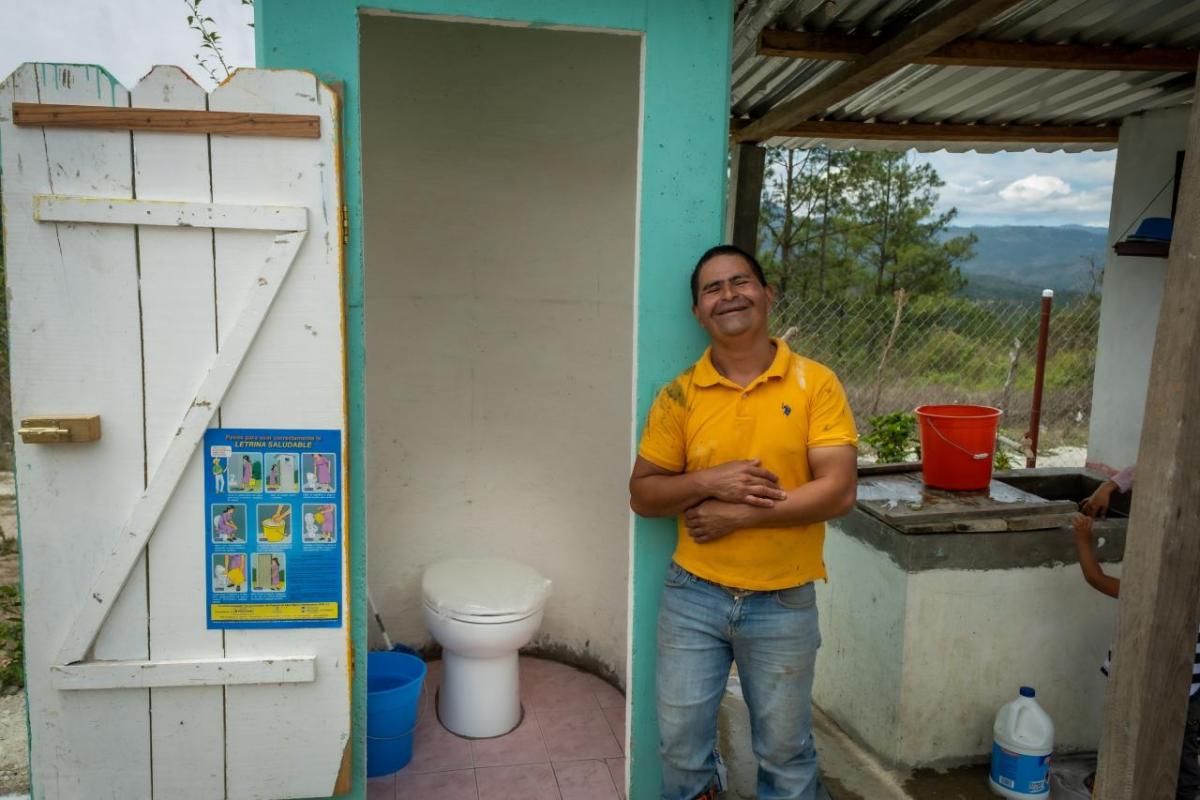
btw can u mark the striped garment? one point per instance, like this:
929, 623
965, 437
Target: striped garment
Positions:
1195, 666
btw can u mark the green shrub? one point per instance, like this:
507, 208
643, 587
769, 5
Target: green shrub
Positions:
12, 643
893, 436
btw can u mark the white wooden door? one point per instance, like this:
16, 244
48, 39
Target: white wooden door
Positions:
168, 281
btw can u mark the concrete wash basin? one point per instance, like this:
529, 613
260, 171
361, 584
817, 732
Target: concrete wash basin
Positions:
1064, 483
926, 635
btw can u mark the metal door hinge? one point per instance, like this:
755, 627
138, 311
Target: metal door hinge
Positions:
71, 428
345, 226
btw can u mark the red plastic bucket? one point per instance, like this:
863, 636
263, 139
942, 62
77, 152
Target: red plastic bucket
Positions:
957, 445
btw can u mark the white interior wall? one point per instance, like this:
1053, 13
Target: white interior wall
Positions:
1132, 286
500, 182
916, 665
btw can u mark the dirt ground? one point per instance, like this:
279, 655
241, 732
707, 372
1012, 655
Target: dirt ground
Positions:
14, 760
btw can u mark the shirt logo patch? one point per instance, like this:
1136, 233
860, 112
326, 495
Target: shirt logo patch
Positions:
787, 410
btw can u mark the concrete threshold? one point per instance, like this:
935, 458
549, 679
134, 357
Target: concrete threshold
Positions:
848, 770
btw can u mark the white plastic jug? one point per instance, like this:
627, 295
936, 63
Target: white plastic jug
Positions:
1024, 739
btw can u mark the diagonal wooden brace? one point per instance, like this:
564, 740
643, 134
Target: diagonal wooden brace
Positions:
129, 542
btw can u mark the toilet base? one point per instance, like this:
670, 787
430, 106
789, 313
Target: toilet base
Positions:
480, 697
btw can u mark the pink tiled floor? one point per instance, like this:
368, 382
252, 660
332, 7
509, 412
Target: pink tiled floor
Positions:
569, 746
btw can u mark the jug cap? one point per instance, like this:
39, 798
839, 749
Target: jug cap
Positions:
1027, 691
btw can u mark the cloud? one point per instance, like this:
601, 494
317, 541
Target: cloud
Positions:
1025, 188
1034, 188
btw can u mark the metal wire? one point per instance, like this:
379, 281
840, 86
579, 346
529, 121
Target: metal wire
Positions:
953, 350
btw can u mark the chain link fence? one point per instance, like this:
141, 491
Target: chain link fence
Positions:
895, 353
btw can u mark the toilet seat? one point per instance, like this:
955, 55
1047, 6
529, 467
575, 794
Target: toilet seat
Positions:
479, 619
484, 591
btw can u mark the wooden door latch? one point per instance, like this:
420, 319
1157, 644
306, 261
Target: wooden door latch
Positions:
72, 428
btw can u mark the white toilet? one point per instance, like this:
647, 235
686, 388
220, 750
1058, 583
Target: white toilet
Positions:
482, 611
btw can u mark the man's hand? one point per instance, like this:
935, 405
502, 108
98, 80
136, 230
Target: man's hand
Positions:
713, 519
743, 482
1096, 506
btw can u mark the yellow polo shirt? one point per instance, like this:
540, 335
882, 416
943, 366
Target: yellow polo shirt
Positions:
702, 419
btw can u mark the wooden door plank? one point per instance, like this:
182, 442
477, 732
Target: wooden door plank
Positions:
902, 500
1160, 583
110, 211
178, 344
201, 677
166, 120
293, 378
75, 345
119, 557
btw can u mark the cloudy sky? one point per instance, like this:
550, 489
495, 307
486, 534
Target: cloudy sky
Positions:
130, 36
1026, 188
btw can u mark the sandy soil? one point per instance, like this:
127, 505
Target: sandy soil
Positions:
14, 758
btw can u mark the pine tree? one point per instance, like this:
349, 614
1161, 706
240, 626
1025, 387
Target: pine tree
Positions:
849, 222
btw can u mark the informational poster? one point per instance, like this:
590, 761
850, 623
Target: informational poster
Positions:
273, 524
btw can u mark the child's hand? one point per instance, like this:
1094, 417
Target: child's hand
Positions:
1083, 527
1097, 504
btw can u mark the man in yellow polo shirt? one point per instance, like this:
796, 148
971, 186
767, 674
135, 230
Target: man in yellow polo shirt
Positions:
753, 447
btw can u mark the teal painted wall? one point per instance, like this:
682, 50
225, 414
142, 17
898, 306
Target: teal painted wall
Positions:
683, 171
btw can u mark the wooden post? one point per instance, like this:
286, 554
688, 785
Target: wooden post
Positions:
901, 296
1039, 375
1157, 616
749, 161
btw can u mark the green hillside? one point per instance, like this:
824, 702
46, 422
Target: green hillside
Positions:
1012, 261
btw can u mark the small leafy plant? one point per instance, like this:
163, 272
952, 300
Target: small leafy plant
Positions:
12, 643
210, 40
893, 436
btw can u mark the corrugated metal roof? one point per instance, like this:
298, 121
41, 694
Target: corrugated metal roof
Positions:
956, 94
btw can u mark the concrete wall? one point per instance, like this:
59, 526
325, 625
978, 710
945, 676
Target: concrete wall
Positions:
862, 610
1132, 286
970, 639
500, 180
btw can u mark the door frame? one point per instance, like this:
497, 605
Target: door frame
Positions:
683, 155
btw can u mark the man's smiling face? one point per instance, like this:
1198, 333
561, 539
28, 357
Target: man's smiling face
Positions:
730, 301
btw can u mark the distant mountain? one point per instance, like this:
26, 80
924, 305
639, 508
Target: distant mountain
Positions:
1013, 261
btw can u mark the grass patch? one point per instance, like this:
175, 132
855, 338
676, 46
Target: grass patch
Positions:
12, 642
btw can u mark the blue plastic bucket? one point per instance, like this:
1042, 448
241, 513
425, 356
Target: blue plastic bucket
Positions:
393, 692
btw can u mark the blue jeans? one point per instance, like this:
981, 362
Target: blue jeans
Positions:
773, 637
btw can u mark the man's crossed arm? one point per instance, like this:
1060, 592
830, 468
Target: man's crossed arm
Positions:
741, 494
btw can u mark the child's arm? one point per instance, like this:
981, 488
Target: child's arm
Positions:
1097, 504
1092, 573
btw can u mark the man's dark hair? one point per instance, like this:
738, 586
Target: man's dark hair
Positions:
724, 250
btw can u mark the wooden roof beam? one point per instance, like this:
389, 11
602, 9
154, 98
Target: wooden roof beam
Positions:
983, 53
945, 132
918, 38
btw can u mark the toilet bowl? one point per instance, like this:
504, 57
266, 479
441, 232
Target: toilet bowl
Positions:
481, 611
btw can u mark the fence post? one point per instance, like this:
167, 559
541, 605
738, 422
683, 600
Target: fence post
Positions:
1035, 414
901, 297
1014, 356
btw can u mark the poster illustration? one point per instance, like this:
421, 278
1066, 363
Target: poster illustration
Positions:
273, 535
